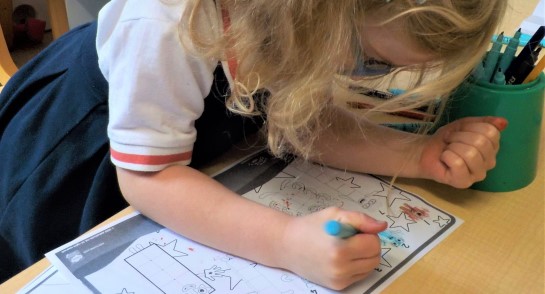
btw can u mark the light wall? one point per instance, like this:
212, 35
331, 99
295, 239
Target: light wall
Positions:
82, 11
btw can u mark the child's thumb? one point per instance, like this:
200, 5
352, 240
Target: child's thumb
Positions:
369, 225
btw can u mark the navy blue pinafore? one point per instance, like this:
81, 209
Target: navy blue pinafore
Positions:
56, 178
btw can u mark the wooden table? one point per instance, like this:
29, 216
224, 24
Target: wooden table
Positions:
498, 249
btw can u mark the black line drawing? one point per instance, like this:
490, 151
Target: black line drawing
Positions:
401, 221
170, 248
216, 272
395, 194
196, 289
285, 175
154, 264
172, 263
383, 260
442, 222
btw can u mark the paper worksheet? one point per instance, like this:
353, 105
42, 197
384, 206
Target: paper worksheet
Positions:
137, 255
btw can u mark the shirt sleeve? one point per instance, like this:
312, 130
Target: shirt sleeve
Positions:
156, 91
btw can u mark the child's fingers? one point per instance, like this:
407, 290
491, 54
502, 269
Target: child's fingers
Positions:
489, 131
363, 270
364, 246
478, 148
499, 123
456, 171
355, 269
465, 161
362, 267
363, 222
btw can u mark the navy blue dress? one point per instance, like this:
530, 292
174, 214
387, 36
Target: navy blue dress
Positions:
56, 178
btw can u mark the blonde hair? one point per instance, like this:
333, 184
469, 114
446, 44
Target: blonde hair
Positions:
295, 49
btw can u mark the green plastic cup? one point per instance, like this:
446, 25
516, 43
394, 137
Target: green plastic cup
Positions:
522, 106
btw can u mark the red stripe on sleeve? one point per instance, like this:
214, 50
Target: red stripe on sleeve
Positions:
150, 159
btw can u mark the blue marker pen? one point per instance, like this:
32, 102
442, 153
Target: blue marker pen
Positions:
499, 77
510, 51
343, 231
410, 127
339, 230
396, 91
491, 59
478, 72
523, 40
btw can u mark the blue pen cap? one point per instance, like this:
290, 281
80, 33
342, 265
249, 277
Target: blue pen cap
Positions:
333, 227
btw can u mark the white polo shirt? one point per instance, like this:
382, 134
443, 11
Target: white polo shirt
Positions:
156, 87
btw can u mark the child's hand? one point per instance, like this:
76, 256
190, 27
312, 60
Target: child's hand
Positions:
460, 153
309, 251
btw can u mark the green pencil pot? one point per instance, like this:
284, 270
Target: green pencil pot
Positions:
522, 106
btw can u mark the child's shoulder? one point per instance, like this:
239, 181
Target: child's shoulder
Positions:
161, 10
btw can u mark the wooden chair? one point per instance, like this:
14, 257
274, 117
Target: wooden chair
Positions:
59, 26
7, 66
58, 17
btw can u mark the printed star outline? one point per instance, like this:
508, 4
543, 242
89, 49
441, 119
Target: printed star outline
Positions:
396, 194
441, 221
125, 291
349, 182
383, 260
403, 222
170, 248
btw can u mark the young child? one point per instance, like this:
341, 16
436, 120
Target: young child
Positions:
178, 82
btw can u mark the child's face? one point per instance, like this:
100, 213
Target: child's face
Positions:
390, 44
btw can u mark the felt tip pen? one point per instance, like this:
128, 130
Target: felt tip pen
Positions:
396, 91
410, 127
515, 73
371, 92
491, 59
392, 92
499, 77
523, 40
534, 41
478, 72
416, 114
339, 230
342, 231
523, 69
425, 108
509, 52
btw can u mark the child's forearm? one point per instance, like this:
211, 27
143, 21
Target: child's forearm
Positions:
201, 209
369, 148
